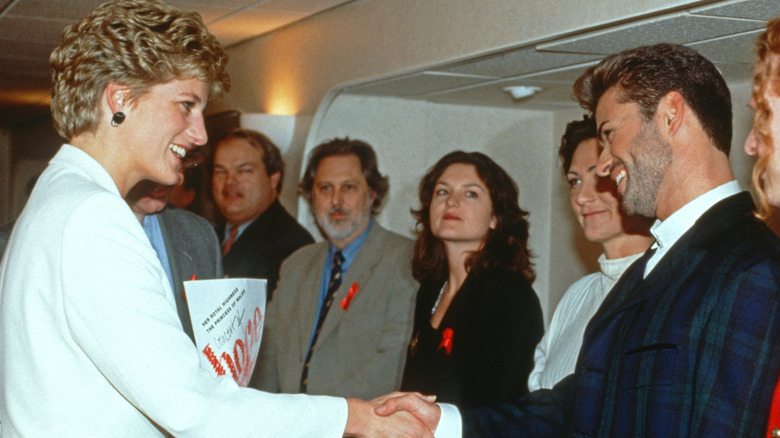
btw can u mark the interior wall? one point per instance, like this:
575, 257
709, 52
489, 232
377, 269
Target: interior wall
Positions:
6, 180
410, 136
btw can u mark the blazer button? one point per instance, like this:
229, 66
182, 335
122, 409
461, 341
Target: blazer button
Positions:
776, 432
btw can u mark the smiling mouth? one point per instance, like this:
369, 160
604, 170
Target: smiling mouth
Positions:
592, 213
178, 150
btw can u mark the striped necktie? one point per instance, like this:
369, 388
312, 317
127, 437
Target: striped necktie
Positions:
333, 285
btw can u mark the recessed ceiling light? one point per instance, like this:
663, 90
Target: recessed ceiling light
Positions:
520, 92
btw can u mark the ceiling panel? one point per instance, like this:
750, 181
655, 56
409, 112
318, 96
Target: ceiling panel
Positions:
303, 6
734, 48
517, 62
228, 4
209, 13
682, 29
555, 66
63, 10
235, 28
724, 31
493, 94
30, 29
753, 9
566, 75
35, 30
417, 84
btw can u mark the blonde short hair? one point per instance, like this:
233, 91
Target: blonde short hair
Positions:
138, 43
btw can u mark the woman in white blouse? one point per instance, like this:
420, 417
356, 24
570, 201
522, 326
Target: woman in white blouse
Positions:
624, 239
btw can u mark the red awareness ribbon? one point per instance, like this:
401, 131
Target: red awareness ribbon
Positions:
446, 340
183, 294
348, 299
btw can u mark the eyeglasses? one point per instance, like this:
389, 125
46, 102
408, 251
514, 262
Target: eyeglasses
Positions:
193, 158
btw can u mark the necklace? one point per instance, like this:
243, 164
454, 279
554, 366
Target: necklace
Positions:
441, 292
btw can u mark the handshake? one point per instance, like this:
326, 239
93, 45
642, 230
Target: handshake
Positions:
394, 415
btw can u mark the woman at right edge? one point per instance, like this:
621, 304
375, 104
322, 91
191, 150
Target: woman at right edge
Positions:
762, 142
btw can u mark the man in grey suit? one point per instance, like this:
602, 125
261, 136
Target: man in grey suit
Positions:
341, 317
186, 243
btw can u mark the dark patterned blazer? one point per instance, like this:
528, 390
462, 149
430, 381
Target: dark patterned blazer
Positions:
192, 250
693, 350
260, 250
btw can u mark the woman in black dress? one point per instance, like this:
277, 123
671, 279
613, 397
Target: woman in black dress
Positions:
477, 319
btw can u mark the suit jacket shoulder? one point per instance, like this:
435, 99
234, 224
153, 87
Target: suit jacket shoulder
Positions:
264, 245
192, 250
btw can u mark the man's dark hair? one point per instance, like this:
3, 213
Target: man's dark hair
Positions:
646, 74
344, 146
270, 154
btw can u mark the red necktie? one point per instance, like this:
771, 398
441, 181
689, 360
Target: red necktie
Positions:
229, 242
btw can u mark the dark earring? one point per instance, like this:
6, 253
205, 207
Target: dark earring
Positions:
117, 119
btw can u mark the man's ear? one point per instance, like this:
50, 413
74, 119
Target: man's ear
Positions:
671, 112
275, 177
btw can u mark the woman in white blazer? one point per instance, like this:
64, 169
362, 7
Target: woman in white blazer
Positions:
90, 339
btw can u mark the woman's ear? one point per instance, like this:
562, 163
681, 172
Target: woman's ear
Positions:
117, 96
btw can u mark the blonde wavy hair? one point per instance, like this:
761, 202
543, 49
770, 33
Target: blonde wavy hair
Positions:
764, 78
138, 43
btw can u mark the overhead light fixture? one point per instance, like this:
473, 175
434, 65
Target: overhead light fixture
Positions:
520, 92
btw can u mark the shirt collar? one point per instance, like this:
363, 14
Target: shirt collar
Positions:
350, 251
669, 231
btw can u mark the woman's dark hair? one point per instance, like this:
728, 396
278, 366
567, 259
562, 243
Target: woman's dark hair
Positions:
505, 246
577, 131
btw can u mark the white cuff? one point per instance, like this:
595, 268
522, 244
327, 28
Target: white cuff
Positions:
449, 422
